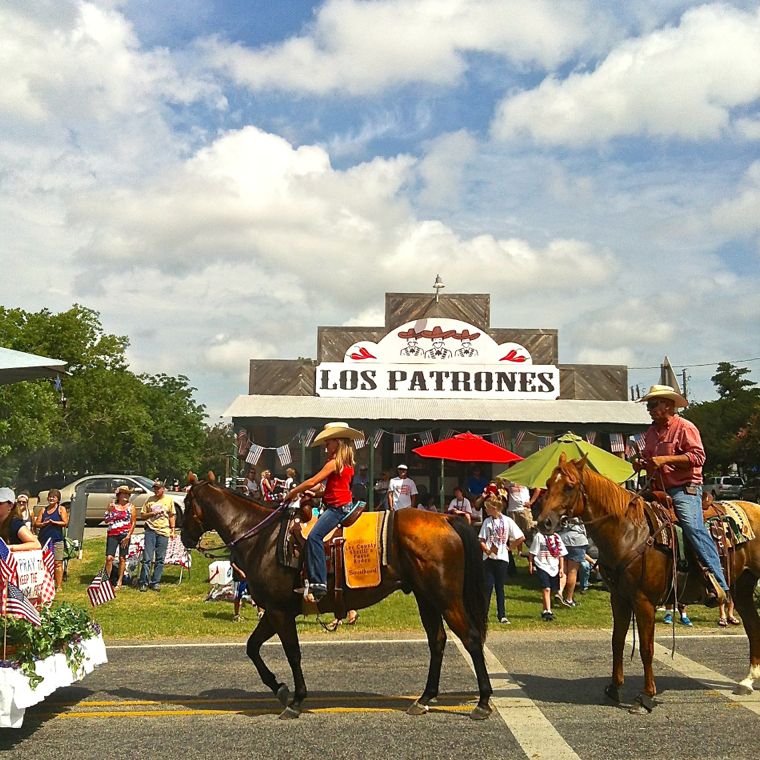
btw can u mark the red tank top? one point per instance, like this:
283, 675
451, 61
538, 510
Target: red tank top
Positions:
338, 488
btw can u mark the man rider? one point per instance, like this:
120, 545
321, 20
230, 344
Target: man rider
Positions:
673, 455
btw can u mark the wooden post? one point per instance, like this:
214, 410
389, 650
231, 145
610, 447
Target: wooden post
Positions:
369, 439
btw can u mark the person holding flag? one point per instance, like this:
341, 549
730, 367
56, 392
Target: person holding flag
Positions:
13, 530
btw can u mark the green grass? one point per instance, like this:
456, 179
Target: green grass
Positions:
179, 612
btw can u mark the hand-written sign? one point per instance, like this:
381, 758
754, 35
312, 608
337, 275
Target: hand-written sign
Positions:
31, 572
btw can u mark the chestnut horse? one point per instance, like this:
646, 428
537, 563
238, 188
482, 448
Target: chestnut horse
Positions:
638, 574
435, 558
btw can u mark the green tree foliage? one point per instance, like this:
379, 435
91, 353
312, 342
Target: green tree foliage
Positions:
218, 449
730, 425
112, 420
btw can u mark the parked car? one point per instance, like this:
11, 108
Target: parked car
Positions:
751, 490
724, 486
99, 492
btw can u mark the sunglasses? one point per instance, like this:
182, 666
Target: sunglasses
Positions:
653, 404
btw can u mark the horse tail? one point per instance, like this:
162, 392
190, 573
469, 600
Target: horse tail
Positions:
474, 579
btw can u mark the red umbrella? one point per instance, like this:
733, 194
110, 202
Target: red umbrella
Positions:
467, 447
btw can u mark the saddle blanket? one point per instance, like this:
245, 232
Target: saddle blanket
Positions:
736, 520
364, 548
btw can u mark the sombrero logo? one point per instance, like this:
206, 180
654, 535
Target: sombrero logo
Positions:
438, 358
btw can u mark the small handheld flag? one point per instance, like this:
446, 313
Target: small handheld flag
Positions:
8, 564
100, 590
18, 604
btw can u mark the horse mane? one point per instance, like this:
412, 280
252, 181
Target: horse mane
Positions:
612, 498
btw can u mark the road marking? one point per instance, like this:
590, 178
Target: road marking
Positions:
531, 728
710, 678
241, 644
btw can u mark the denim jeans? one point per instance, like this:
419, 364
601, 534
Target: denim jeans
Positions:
584, 575
316, 564
688, 507
155, 546
496, 576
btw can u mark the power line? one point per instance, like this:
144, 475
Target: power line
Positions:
706, 364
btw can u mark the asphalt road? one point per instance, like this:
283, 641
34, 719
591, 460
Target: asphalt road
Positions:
191, 702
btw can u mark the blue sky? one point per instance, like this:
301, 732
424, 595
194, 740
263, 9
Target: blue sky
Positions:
218, 178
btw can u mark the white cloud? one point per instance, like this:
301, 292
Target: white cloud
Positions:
361, 48
740, 215
680, 82
442, 168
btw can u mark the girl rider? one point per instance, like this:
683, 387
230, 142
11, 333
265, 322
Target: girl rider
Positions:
338, 473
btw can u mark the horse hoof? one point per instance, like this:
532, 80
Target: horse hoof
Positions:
480, 713
417, 709
282, 694
612, 692
743, 689
289, 713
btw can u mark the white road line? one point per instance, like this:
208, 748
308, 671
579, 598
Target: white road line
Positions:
241, 644
710, 678
533, 731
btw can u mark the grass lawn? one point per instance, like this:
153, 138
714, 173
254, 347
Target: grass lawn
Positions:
179, 612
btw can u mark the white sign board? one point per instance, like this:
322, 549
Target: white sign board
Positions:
438, 358
31, 572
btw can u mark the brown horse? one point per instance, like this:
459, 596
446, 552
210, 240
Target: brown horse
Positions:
639, 574
435, 558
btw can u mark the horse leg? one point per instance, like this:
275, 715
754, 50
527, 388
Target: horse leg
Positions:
285, 627
745, 603
263, 632
645, 612
621, 620
436, 636
456, 618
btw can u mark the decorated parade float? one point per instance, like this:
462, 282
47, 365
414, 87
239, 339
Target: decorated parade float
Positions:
44, 647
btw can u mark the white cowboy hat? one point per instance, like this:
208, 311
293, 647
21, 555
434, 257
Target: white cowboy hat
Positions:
665, 391
336, 430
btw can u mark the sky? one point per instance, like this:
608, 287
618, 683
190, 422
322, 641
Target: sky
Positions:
217, 178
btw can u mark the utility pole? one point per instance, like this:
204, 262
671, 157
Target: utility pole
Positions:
683, 384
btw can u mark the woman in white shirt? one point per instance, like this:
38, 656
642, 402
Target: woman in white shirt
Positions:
460, 505
496, 533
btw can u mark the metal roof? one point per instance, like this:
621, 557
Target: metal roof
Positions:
564, 412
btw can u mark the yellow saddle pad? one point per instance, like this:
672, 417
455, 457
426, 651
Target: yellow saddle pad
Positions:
361, 548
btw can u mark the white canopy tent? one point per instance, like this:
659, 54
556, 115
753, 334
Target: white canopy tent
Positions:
17, 365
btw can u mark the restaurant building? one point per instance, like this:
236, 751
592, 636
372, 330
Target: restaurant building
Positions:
435, 368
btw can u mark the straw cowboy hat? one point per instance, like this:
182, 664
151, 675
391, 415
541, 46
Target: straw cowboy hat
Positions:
336, 430
665, 391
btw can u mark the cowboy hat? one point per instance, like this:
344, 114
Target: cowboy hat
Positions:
467, 335
437, 333
336, 430
665, 391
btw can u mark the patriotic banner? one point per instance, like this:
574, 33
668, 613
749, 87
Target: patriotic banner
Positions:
544, 441
308, 436
518, 439
254, 453
8, 564
630, 450
242, 442
591, 437
48, 558
426, 437
399, 443
47, 587
284, 455
638, 439
376, 438
617, 445
17, 604
500, 439
100, 590
446, 434
361, 443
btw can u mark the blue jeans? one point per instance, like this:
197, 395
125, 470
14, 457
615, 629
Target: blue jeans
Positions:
316, 563
688, 507
496, 577
584, 575
155, 546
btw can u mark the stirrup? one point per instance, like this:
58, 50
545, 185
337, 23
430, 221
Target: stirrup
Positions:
715, 594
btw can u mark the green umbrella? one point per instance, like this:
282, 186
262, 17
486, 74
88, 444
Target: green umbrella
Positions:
535, 470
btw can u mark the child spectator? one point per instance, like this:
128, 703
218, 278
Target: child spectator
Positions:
495, 535
460, 505
546, 560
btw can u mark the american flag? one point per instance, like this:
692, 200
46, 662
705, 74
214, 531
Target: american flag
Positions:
242, 442
8, 564
617, 444
308, 436
361, 442
377, 438
100, 590
254, 453
591, 437
47, 590
48, 558
284, 455
399, 443
500, 439
17, 604
518, 439
639, 439
544, 441
446, 434
426, 437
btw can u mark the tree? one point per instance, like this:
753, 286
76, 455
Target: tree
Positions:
218, 447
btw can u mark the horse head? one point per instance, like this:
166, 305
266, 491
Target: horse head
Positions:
564, 497
193, 526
